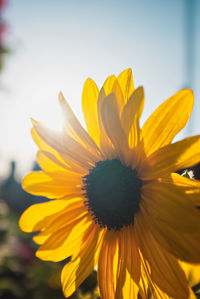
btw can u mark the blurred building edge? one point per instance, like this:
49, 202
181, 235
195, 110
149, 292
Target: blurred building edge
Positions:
14, 196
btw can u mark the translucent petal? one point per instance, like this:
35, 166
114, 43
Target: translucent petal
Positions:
105, 143
192, 272
130, 117
179, 155
165, 269
89, 107
113, 128
42, 211
170, 205
73, 154
66, 241
118, 95
184, 246
74, 128
125, 79
106, 272
108, 84
167, 120
128, 271
189, 187
38, 183
49, 163
77, 270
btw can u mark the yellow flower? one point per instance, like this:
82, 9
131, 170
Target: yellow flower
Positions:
118, 203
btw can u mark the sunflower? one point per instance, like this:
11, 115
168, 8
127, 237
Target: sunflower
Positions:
117, 203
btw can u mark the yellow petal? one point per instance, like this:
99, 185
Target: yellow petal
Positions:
192, 272
128, 271
112, 125
190, 187
179, 155
65, 241
73, 154
108, 85
69, 216
74, 211
42, 211
77, 270
105, 143
184, 246
130, 116
43, 145
165, 270
125, 79
74, 128
118, 95
89, 107
191, 295
49, 163
129, 289
131, 254
106, 272
170, 205
38, 183
167, 120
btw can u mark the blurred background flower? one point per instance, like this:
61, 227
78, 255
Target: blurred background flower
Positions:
3, 30
56, 45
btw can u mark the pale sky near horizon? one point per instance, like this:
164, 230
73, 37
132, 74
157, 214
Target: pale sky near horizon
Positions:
57, 45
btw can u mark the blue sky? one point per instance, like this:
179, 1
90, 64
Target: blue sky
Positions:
57, 45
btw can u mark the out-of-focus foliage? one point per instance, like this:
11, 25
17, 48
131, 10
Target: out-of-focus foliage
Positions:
3, 29
22, 275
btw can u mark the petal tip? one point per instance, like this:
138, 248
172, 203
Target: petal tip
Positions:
188, 91
61, 96
140, 89
33, 121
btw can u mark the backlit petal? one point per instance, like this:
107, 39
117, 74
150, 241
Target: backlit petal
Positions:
118, 95
73, 154
74, 128
192, 272
112, 125
167, 204
190, 187
49, 163
128, 271
167, 120
165, 269
179, 155
105, 143
108, 85
130, 118
89, 107
43, 211
38, 183
106, 266
184, 246
77, 270
66, 241
125, 79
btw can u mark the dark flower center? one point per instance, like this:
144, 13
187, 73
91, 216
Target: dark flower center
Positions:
113, 193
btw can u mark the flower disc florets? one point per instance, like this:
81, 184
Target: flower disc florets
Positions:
113, 193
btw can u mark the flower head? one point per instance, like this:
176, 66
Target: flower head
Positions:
117, 202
